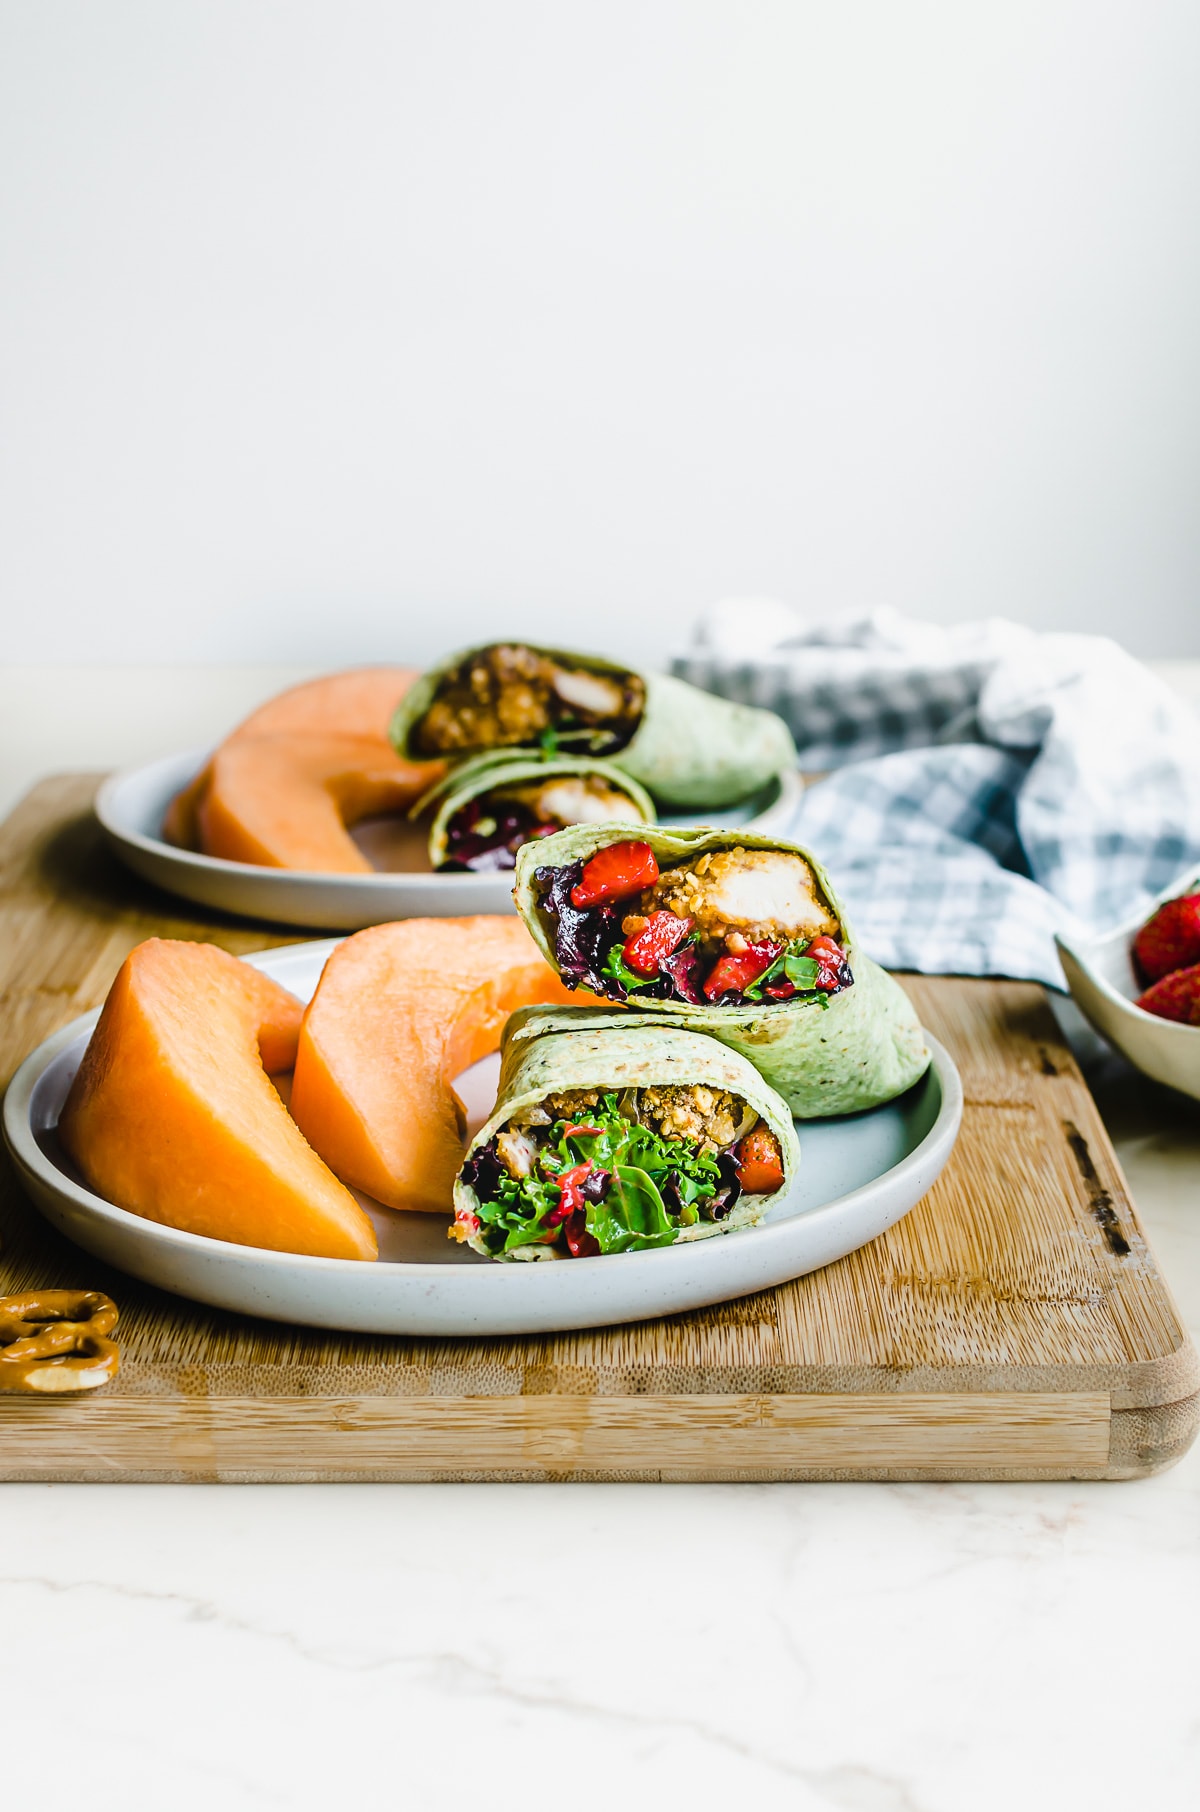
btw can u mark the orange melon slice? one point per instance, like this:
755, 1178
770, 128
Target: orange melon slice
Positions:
399, 1012
358, 703
287, 802
173, 1115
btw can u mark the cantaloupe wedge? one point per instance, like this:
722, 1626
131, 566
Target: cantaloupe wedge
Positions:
358, 703
173, 1115
399, 1012
286, 801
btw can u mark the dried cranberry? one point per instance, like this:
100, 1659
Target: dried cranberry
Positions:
580, 1243
594, 1188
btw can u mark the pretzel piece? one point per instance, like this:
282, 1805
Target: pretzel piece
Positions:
53, 1341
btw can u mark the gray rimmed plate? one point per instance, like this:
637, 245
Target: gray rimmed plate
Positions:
130, 806
858, 1176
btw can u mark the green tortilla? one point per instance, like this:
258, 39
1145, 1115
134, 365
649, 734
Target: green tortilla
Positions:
690, 748
865, 1047
505, 768
544, 1053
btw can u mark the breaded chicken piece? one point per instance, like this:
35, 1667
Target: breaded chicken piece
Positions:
708, 1117
509, 694
754, 893
573, 799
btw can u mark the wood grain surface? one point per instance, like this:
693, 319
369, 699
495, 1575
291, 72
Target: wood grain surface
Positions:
1014, 1325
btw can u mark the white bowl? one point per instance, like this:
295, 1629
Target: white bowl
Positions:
1103, 984
130, 806
857, 1177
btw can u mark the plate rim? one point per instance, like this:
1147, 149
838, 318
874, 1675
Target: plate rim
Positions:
119, 833
31, 1159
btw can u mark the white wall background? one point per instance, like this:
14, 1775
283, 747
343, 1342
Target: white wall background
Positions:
347, 329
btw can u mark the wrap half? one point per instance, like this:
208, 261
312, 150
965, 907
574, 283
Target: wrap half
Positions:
736, 935
607, 1139
689, 747
492, 804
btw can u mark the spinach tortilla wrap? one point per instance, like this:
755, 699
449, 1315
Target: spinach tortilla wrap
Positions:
610, 1139
492, 804
688, 747
729, 933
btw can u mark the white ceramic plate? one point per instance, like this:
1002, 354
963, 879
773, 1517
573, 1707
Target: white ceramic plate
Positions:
130, 807
1104, 987
858, 1175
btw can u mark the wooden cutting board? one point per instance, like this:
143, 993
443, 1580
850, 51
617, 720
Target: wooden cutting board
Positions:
1014, 1325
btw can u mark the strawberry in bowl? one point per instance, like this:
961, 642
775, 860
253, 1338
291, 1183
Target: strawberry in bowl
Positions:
1139, 985
1166, 953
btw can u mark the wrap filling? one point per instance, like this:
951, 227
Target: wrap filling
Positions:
486, 832
509, 696
731, 927
589, 1172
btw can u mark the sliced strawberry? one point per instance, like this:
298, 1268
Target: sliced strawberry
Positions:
615, 873
731, 974
780, 989
1169, 940
646, 949
759, 1162
1176, 996
830, 959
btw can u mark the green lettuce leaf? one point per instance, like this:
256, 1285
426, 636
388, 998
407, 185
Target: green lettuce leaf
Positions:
633, 1215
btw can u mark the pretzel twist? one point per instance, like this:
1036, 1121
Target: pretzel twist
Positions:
53, 1341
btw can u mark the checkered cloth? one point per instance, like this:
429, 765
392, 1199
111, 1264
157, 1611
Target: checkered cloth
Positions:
991, 785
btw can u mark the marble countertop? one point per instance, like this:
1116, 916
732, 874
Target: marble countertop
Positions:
820, 1648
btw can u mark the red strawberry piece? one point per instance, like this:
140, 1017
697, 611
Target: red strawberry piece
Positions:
1170, 939
731, 974
1176, 996
759, 1162
662, 933
830, 959
615, 873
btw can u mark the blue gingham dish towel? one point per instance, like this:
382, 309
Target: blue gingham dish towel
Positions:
991, 785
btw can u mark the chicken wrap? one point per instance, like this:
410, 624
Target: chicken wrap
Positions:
688, 747
729, 933
609, 1140
490, 805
